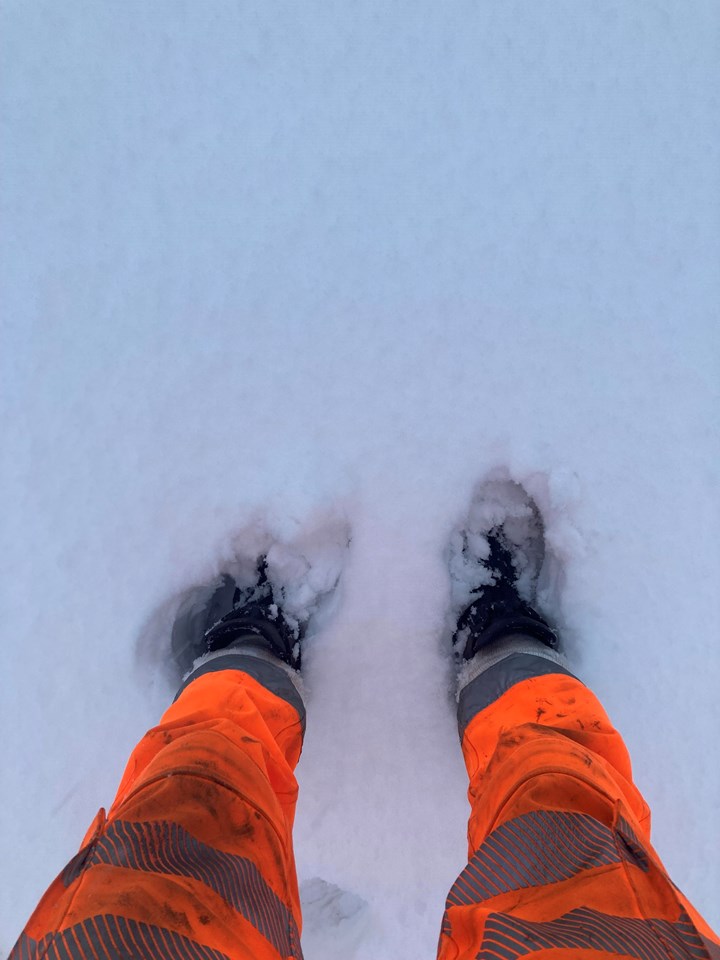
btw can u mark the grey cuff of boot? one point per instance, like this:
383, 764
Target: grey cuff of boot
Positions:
275, 675
492, 672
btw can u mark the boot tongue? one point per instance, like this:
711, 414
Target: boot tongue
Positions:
500, 562
222, 600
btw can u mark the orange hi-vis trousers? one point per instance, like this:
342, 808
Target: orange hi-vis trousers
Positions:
195, 857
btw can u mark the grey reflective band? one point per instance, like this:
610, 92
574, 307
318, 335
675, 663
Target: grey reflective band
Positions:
543, 847
109, 937
165, 847
272, 676
712, 948
488, 686
585, 930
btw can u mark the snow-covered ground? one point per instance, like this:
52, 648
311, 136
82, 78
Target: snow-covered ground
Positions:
284, 262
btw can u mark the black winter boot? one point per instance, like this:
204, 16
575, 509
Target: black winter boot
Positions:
498, 610
223, 615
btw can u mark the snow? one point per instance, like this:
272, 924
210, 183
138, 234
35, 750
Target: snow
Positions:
293, 261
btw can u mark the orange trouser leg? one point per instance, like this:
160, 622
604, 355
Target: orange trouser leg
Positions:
561, 864
195, 857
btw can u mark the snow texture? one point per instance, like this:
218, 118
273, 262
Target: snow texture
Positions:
276, 263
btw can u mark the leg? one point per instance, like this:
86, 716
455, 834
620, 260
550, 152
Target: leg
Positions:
560, 861
195, 858
559, 849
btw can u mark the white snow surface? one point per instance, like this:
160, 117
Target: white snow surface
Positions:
279, 263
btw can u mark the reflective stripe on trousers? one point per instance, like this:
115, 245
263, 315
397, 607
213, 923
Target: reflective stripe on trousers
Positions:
559, 837
195, 858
